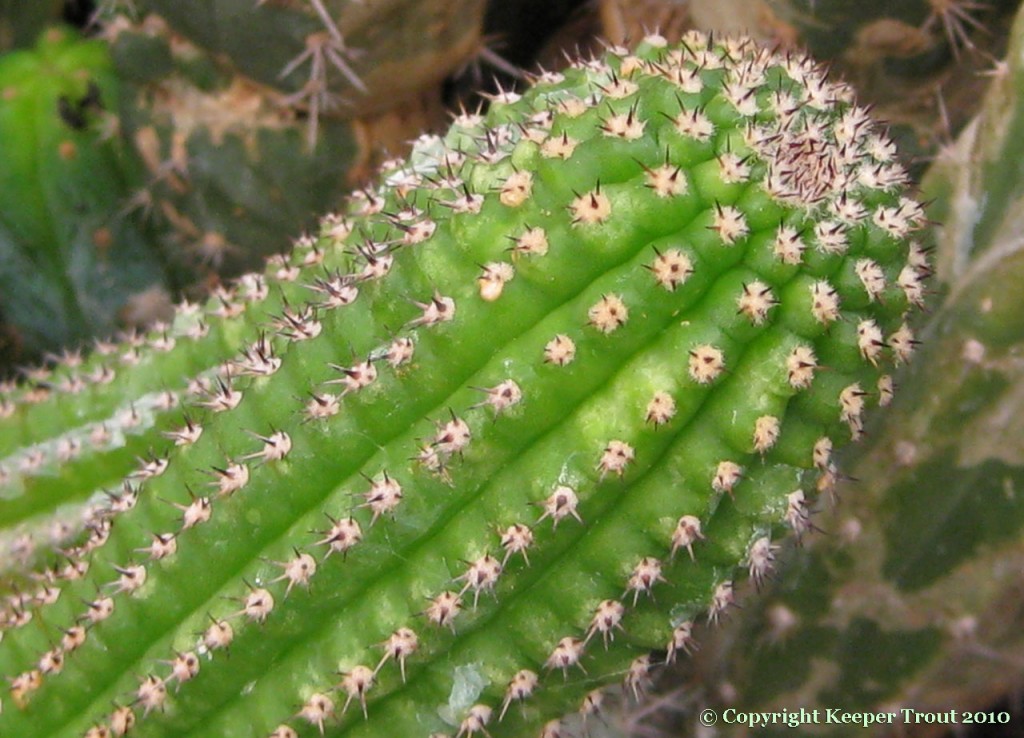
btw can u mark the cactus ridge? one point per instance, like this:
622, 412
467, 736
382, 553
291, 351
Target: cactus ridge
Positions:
565, 375
79, 428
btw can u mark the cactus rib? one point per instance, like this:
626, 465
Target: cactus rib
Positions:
574, 367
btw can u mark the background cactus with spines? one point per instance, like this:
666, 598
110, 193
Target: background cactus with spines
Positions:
196, 126
335, 48
643, 292
379, 65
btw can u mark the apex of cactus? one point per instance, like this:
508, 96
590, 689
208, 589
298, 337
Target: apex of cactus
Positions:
445, 485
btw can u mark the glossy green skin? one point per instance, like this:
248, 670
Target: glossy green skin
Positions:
557, 434
141, 377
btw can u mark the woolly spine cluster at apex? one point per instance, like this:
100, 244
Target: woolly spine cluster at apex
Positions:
443, 485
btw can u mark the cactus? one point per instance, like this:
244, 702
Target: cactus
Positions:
371, 54
230, 174
544, 395
920, 32
68, 258
321, 60
201, 108
913, 598
919, 64
125, 402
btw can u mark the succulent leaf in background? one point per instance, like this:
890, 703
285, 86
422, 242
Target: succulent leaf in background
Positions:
557, 382
21, 22
71, 261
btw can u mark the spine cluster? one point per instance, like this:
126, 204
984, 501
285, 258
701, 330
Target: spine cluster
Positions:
501, 435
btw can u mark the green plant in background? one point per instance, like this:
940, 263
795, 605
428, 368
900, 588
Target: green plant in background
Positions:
21, 23
320, 51
70, 263
527, 410
230, 174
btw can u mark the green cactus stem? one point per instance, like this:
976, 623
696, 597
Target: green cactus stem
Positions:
914, 598
125, 402
565, 375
